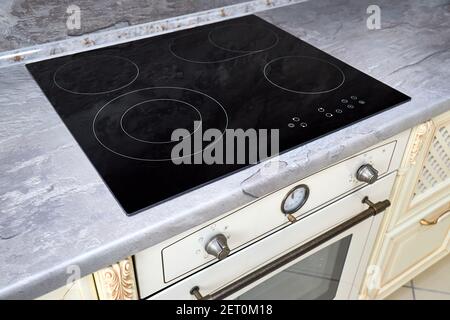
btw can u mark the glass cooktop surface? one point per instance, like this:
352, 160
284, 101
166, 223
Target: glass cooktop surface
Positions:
122, 103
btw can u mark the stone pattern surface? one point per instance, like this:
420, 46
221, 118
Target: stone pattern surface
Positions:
30, 22
30, 29
55, 211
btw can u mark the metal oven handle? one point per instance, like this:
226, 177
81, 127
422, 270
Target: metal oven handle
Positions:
374, 209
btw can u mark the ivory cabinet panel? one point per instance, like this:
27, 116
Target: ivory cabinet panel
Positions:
82, 289
115, 282
425, 174
416, 229
416, 246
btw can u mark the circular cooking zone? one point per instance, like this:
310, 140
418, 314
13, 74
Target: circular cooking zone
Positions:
153, 121
306, 75
139, 125
243, 38
96, 74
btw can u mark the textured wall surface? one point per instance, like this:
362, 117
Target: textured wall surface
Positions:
55, 211
24, 23
33, 36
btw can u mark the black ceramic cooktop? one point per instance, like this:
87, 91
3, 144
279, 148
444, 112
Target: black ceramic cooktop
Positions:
122, 103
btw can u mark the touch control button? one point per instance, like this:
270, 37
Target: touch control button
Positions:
321, 109
361, 102
328, 115
338, 110
291, 125
344, 101
303, 124
296, 119
350, 106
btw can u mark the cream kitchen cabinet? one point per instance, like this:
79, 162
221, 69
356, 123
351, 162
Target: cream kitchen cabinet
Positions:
82, 289
116, 282
416, 229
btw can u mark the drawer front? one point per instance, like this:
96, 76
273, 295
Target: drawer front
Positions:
265, 215
425, 237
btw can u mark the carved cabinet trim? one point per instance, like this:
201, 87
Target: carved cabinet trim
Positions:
117, 282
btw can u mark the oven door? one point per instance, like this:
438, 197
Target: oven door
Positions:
329, 265
325, 273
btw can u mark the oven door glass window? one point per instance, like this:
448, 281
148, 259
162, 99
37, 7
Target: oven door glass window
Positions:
316, 277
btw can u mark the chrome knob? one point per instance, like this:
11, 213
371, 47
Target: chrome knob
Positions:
367, 173
217, 246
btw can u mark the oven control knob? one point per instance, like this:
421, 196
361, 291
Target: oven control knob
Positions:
367, 173
217, 246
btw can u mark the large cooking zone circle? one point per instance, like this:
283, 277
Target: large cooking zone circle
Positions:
224, 43
139, 124
243, 38
96, 74
303, 74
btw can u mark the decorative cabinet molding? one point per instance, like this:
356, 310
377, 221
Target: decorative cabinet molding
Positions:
419, 136
425, 171
407, 244
117, 282
435, 167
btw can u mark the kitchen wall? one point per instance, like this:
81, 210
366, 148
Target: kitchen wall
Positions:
25, 23
33, 30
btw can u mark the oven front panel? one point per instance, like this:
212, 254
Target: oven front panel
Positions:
265, 215
244, 262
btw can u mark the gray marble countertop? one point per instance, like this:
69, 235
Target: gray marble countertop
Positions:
55, 211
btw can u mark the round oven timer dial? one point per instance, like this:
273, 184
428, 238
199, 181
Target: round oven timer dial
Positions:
295, 199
